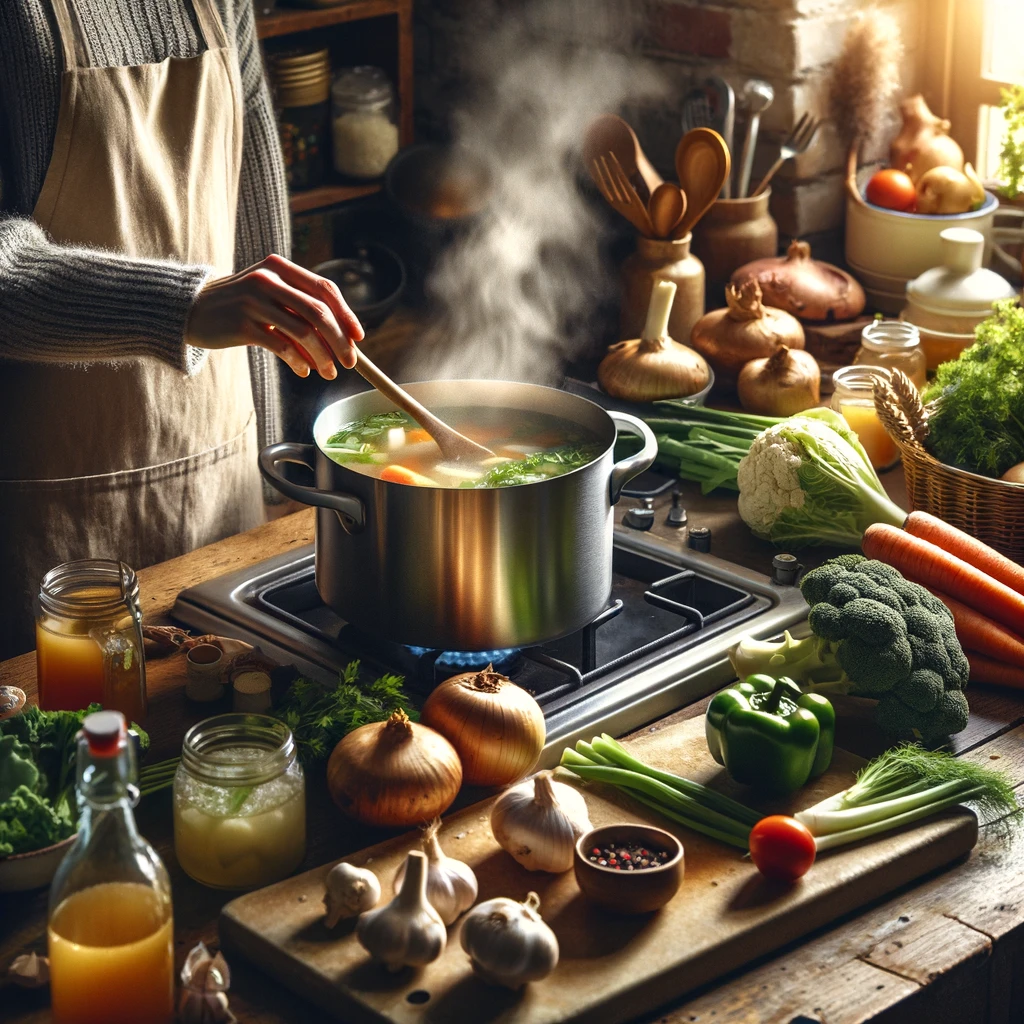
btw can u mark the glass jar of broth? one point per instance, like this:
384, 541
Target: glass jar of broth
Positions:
853, 397
239, 802
896, 345
89, 638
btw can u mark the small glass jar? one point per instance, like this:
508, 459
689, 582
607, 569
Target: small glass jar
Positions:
239, 802
365, 126
896, 345
89, 638
853, 397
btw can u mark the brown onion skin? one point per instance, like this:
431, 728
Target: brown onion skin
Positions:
809, 289
785, 388
496, 727
747, 329
394, 773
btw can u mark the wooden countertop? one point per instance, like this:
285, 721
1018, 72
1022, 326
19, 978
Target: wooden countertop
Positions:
950, 949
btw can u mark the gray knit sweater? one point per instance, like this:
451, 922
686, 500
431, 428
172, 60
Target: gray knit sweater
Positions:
68, 304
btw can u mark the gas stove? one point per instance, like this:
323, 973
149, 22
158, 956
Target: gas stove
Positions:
661, 642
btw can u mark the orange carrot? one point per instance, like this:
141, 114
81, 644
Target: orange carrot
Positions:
985, 670
976, 632
416, 435
396, 474
930, 566
965, 547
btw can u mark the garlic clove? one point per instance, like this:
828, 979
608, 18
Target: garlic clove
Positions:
205, 979
508, 942
349, 892
29, 971
539, 821
451, 884
408, 932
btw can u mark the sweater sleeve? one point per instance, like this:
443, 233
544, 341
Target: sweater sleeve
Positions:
263, 223
69, 304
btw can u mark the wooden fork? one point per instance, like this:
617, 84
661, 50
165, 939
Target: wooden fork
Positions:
620, 195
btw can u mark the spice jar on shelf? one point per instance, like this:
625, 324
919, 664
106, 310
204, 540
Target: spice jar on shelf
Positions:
365, 127
239, 802
302, 83
896, 345
89, 644
853, 397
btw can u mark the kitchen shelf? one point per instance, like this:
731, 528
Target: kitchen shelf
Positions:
328, 195
287, 21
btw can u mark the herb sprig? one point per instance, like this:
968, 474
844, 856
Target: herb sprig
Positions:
319, 715
533, 468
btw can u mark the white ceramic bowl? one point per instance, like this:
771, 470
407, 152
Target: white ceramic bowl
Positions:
885, 248
32, 870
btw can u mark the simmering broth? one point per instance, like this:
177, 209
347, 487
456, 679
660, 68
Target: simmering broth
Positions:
528, 448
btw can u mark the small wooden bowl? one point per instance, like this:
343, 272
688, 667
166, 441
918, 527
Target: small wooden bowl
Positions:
629, 892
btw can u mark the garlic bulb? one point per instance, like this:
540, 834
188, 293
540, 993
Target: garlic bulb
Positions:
508, 943
451, 885
350, 891
408, 932
539, 821
654, 366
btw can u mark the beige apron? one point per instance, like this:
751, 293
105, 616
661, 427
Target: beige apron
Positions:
133, 460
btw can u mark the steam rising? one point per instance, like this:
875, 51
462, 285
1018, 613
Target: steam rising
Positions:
517, 293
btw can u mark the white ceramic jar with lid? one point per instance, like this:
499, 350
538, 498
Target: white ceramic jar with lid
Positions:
949, 301
365, 127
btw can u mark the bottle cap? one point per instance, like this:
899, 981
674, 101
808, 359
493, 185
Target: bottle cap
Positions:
105, 732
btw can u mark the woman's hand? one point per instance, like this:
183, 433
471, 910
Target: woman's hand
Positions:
287, 309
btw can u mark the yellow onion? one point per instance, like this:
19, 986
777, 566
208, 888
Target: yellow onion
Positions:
787, 382
394, 773
654, 367
496, 727
746, 329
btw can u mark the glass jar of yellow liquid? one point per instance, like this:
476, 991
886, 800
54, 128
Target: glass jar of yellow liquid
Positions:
853, 397
895, 345
111, 931
239, 802
89, 638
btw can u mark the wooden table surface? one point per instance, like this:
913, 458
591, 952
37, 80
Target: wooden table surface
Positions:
949, 949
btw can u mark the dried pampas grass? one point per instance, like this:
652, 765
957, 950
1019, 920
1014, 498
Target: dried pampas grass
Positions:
865, 81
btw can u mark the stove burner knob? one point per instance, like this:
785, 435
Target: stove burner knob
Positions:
700, 539
641, 517
676, 514
785, 570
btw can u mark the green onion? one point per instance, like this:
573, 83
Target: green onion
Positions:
154, 777
680, 800
901, 786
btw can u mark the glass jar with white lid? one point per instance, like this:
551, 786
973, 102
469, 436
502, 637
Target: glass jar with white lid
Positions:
239, 802
365, 125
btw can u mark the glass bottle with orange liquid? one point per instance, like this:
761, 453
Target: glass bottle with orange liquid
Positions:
111, 932
89, 638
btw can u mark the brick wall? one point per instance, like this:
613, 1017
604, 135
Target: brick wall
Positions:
789, 43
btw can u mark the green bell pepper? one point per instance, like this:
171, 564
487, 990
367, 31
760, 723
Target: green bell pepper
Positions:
767, 733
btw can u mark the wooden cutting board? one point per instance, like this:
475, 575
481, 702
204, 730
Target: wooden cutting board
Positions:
612, 968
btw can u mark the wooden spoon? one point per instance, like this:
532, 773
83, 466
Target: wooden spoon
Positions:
454, 446
702, 163
667, 206
610, 134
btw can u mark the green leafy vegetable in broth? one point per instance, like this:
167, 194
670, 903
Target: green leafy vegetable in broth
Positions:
539, 466
529, 447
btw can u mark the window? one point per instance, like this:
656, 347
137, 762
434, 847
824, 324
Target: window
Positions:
972, 51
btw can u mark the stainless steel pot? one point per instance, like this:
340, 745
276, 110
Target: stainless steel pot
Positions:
465, 570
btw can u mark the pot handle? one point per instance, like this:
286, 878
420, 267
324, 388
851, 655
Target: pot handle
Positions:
624, 471
350, 509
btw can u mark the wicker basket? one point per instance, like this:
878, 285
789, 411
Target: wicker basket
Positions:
990, 510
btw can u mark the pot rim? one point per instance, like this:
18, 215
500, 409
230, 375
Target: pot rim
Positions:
563, 396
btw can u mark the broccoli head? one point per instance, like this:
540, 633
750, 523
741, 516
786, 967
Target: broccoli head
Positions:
873, 634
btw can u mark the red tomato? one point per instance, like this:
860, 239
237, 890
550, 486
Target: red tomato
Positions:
781, 848
892, 189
